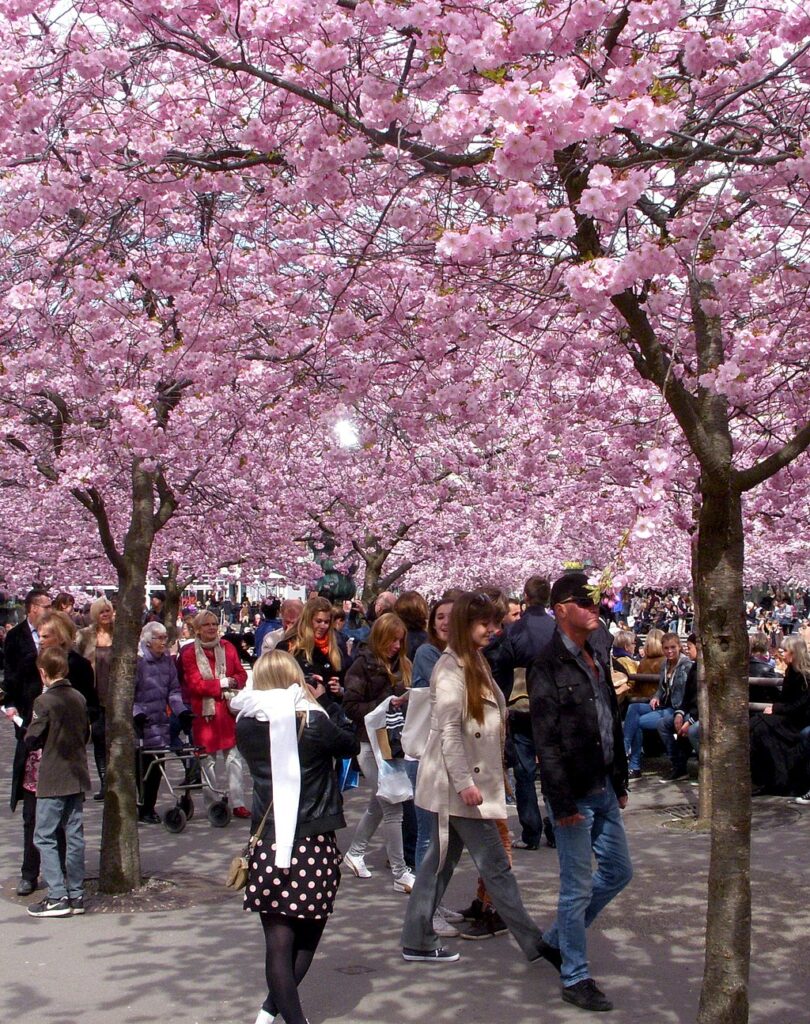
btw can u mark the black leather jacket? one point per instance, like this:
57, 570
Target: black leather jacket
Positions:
324, 738
566, 729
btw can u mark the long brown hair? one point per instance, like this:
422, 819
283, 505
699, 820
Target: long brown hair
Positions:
433, 637
386, 629
467, 610
304, 638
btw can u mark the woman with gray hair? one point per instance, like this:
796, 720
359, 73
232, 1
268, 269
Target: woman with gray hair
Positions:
156, 686
94, 642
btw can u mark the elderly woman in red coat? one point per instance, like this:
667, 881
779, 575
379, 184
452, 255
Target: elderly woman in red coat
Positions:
211, 671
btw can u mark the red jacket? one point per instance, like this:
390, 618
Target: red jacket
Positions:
219, 732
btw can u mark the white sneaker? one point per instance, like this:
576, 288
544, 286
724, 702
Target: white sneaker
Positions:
443, 928
356, 865
452, 916
404, 883
803, 799
264, 1017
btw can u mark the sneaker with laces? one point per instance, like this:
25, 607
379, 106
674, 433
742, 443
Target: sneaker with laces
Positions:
803, 799
587, 996
76, 906
404, 883
356, 865
50, 908
443, 928
433, 956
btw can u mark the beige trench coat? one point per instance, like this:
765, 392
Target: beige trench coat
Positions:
460, 752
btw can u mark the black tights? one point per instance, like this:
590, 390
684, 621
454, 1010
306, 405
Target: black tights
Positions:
290, 943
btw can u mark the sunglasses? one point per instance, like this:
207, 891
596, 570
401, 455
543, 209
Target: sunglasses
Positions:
580, 602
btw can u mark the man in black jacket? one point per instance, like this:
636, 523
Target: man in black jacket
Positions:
583, 770
523, 641
23, 640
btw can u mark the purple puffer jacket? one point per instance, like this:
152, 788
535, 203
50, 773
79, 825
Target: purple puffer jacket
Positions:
156, 686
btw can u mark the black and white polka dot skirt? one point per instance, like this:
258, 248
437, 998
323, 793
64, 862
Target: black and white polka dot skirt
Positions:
306, 889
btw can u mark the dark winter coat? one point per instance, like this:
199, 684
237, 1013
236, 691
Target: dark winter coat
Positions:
566, 729
777, 755
156, 687
318, 665
366, 687
527, 637
17, 647
324, 739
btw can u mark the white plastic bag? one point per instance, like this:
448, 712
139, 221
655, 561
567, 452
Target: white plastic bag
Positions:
417, 722
393, 784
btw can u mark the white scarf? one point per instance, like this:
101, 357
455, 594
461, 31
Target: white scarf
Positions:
278, 708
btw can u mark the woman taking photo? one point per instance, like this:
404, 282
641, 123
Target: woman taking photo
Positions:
461, 780
315, 647
94, 642
379, 671
294, 870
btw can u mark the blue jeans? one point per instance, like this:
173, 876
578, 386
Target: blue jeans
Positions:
531, 821
54, 813
677, 749
424, 819
639, 716
583, 894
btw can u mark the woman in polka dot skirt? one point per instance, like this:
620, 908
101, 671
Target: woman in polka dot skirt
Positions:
294, 871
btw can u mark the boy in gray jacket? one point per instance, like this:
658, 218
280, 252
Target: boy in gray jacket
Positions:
60, 728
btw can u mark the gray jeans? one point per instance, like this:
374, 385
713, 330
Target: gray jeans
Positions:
482, 839
378, 810
65, 812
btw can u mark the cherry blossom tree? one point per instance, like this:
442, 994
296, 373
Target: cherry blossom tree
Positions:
431, 213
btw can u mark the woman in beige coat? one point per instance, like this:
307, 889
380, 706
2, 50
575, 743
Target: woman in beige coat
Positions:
461, 780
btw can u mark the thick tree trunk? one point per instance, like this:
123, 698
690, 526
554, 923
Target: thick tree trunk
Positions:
705, 790
120, 869
371, 579
719, 594
171, 605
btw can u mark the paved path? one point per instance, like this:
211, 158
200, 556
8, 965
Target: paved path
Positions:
203, 965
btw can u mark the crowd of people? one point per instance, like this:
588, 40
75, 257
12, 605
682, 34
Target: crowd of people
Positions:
447, 709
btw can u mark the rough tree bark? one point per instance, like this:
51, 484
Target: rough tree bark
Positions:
719, 591
120, 866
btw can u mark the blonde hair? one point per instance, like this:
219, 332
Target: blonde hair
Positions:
63, 625
386, 629
304, 638
201, 617
101, 604
652, 644
278, 670
801, 656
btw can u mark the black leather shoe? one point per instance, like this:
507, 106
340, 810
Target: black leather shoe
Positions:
149, 818
26, 887
550, 953
587, 996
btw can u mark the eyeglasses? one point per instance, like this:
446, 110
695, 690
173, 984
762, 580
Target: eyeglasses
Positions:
580, 602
